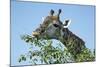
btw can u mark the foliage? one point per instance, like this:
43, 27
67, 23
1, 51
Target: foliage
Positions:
86, 55
48, 54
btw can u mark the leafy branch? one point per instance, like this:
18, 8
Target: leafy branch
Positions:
48, 54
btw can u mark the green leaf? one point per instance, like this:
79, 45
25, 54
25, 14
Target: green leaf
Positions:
19, 60
30, 57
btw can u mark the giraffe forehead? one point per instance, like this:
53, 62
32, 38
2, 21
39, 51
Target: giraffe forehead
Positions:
54, 18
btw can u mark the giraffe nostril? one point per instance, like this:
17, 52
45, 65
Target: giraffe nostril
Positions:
55, 25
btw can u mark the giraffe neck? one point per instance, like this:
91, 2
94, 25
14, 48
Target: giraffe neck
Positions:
73, 43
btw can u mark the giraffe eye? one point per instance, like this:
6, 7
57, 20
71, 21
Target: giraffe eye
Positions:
55, 25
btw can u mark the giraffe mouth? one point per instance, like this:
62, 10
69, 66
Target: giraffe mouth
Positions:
35, 33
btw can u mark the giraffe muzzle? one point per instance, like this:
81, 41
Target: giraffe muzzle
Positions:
35, 33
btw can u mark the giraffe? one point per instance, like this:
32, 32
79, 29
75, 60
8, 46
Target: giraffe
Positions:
53, 28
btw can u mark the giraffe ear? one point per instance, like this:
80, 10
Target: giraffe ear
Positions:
66, 23
43, 19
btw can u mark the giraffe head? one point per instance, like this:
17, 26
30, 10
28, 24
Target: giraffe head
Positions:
51, 27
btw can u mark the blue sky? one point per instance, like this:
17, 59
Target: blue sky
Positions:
26, 17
